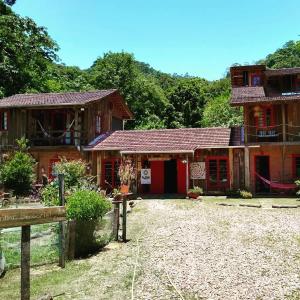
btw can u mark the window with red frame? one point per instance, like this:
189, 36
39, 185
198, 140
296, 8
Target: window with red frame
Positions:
296, 166
98, 124
3, 120
217, 172
110, 172
265, 117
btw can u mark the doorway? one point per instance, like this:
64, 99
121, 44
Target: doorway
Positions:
170, 176
262, 167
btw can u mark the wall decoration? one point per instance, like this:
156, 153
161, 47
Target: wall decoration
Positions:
198, 170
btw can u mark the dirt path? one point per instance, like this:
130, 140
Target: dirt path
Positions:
192, 250
199, 251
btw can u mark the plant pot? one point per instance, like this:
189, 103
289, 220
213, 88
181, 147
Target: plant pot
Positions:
85, 239
124, 189
193, 195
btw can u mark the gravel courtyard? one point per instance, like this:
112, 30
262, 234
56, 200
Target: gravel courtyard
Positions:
180, 249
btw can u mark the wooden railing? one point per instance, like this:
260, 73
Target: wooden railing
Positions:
57, 138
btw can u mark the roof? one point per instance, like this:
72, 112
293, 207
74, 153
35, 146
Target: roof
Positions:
181, 140
248, 92
54, 99
283, 71
248, 67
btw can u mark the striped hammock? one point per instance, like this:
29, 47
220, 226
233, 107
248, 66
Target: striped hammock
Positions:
276, 185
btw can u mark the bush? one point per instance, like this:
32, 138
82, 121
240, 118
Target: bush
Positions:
17, 171
245, 194
49, 195
74, 171
196, 190
84, 205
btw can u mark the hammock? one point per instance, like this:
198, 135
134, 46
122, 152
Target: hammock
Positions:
275, 185
46, 134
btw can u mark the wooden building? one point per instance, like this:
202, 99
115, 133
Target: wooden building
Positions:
271, 131
60, 124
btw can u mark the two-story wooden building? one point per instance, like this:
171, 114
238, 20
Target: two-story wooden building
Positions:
271, 132
60, 124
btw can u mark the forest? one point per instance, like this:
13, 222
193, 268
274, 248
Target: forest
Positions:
29, 63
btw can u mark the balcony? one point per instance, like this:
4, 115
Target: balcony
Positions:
264, 134
57, 138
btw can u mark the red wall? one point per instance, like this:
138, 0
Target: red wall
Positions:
157, 177
181, 177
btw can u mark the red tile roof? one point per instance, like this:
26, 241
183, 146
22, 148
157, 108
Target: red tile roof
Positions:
54, 99
248, 92
162, 140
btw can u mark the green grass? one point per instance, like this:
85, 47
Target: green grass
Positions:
42, 282
43, 250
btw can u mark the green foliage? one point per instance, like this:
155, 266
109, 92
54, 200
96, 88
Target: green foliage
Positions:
86, 205
74, 171
218, 112
245, 194
196, 190
49, 195
25, 52
286, 57
17, 171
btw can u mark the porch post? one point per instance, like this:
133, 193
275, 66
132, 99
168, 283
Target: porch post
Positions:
247, 168
230, 168
283, 123
187, 173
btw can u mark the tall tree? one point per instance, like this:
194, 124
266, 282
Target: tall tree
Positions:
25, 52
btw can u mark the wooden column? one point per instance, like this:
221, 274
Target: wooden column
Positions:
283, 122
246, 129
247, 168
230, 167
76, 126
116, 220
25, 263
62, 250
187, 174
124, 218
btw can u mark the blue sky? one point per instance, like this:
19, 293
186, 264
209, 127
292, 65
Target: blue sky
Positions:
200, 37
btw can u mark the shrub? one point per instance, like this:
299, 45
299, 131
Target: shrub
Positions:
86, 205
74, 171
245, 194
196, 190
17, 171
49, 195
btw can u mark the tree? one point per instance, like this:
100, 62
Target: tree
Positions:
17, 171
218, 112
25, 53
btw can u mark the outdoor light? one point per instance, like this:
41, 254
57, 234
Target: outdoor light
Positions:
184, 161
82, 108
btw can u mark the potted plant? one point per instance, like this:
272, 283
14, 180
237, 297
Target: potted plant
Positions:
86, 208
195, 192
127, 175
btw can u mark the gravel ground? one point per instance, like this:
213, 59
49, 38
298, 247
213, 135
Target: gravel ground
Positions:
190, 250
212, 252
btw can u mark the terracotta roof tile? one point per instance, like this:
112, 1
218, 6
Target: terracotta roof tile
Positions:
54, 99
248, 92
163, 140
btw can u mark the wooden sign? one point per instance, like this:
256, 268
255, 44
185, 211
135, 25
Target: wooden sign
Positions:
16, 217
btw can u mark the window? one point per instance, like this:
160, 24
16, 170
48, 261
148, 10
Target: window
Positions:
296, 166
264, 117
218, 172
110, 172
98, 124
255, 80
245, 78
3, 120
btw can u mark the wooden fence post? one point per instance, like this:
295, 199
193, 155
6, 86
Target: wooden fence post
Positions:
124, 218
116, 219
62, 234
25, 263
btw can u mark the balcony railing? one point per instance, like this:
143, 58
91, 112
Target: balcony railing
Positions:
57, 138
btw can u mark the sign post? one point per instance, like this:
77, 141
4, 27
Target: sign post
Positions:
25, 217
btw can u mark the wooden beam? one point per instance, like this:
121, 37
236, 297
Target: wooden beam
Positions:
25, 263
247, 169
16, 217
283, 122
246, 111
231, 167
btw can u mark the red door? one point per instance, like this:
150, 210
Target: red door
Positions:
181, 177
157, 177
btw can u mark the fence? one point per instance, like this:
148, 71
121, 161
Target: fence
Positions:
45, 242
